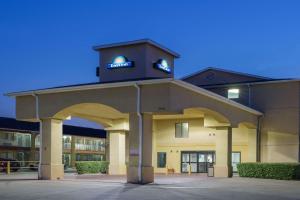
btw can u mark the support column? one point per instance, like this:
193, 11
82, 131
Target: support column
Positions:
252, 145
51, 167
140, 174
73, 151
107, 147
223, 166
127, 149
117, 153
32, 147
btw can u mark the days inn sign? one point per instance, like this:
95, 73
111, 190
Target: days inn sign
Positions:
123, 62
162, 65
120, 62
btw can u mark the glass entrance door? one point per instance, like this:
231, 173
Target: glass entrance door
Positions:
193, 162
202, 166
185, 161
236, 159
198, 161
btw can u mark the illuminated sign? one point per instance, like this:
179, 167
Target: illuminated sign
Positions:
162, 65
120, 62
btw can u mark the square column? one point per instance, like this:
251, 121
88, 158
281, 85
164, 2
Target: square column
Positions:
107, 147
73, 151
223, 166
51, 167
117, 143
32, 147
252, 145
140, 174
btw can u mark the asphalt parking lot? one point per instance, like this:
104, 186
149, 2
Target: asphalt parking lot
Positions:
25, 186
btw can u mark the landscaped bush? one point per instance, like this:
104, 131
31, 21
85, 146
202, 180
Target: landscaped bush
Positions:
284, 171
91, 167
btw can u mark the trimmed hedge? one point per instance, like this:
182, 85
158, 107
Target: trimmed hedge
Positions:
91, 167
281, 171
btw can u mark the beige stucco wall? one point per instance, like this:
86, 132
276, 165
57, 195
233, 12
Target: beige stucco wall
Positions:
122, 99
279, 147
173, 98
117, 156
280, 123
281, 120
200, 139
156, 98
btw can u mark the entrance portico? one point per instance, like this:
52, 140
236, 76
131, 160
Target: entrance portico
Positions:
121, 118
137, 115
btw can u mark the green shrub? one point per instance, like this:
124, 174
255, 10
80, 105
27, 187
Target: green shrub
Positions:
283, 171
84, 167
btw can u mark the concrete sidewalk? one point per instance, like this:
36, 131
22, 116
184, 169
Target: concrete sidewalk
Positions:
165, 187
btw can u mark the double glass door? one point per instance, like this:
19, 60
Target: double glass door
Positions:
197, 161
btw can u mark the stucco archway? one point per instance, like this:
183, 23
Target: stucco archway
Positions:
99, 113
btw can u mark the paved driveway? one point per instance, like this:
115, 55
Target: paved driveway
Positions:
165, 187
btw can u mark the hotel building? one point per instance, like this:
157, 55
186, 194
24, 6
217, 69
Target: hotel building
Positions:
20, 141
157, 123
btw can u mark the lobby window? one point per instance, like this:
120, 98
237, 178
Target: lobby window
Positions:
182, 130
161, 159
233, 93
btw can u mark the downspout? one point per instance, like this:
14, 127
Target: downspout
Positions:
37, 116
258, 129
140, 124
249, 95
258, 139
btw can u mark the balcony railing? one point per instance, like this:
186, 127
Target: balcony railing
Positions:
14, 143
67, 145
89, 147
85, 147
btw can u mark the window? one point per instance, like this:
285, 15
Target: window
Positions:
233, 93
37, 141
4, 135
161, 159
182, 130
67, 142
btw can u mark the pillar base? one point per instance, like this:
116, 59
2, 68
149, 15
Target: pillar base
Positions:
117, 170
133, 176
52, 172
222, 171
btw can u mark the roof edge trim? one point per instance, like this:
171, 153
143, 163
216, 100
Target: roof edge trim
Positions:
141, 41
88, 87
223, 70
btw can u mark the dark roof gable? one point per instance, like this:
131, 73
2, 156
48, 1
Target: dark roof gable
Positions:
216, 76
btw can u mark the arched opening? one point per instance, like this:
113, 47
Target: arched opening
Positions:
99, 113
83, 144
109, 119
83, 140
217, 119
209, 139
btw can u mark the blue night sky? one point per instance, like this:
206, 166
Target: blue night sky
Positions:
48, 43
